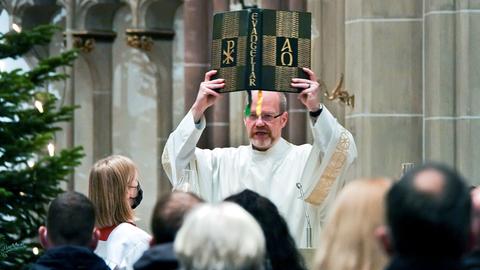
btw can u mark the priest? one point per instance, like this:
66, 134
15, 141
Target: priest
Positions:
270, 165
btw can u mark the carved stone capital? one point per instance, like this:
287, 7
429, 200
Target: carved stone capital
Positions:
144, 38
85, 45
85, 39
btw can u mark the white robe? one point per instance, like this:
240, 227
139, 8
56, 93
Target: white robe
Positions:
221, 172
124, 246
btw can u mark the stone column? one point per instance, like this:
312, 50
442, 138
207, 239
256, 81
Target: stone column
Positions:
218, 116
162, 56
102, 100
332, 49
297, 5
196, 50
220, 5
452, 91
297, 124
384, 68
467, 86
271, 4
440, 77
93, 125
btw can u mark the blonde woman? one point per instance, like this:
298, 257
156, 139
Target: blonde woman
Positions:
348, 241
114, 191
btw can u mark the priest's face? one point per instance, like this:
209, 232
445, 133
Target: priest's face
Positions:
265, 129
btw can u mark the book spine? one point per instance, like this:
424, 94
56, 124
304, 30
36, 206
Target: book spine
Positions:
216, 46
254, 49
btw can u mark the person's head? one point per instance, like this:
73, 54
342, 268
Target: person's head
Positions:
265, 130
281, 248
429, 213
349, 231
169, 213
221, 237
113, 186
475, 194
70, 221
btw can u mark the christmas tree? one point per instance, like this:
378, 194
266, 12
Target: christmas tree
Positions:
30, 170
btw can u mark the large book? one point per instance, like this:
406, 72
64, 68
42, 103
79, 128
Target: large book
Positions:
261, 49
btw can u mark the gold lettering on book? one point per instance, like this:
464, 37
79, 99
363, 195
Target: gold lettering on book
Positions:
229, 52
286, 53
253, 49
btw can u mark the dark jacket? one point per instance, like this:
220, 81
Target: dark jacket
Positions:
158, 257
163, 257
402, 263
472, 261
69, 258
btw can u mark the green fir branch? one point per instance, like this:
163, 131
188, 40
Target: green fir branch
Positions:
6, 249
29, 177
13, 44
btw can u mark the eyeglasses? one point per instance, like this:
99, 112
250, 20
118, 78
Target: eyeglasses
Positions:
265, 117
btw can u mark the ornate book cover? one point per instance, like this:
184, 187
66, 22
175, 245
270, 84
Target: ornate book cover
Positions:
261, 49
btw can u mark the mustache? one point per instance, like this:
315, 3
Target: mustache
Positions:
265, 130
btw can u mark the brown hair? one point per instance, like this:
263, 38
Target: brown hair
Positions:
168, 214
108, 188
349, 232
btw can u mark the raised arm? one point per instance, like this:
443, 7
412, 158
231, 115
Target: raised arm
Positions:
309, 94
180, 147
207, 96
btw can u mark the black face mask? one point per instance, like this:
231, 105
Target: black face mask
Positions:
138, 198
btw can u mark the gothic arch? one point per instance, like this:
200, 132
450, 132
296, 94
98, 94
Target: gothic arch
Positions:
159, 14
30, 13
98, 14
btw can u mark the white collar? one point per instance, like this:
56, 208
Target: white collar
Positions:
280, 147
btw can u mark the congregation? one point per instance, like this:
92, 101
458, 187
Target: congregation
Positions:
243, 212
428, 219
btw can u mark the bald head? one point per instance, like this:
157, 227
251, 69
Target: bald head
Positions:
428, 212
168, 214
476, 199
475, 195
429, 181
277, 98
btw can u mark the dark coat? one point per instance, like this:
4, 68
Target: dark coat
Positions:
472, 261
69, 258
158, 257
401, 263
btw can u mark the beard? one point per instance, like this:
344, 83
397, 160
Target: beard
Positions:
261, 138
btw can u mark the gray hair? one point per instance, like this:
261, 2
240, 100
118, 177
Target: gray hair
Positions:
283, 102
220, 237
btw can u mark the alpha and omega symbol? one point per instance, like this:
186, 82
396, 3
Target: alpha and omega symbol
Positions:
287, 50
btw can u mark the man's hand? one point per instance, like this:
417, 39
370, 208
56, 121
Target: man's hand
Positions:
311, 87
206, 96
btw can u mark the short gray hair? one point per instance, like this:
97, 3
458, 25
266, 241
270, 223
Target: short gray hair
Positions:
283, 102
220, 237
